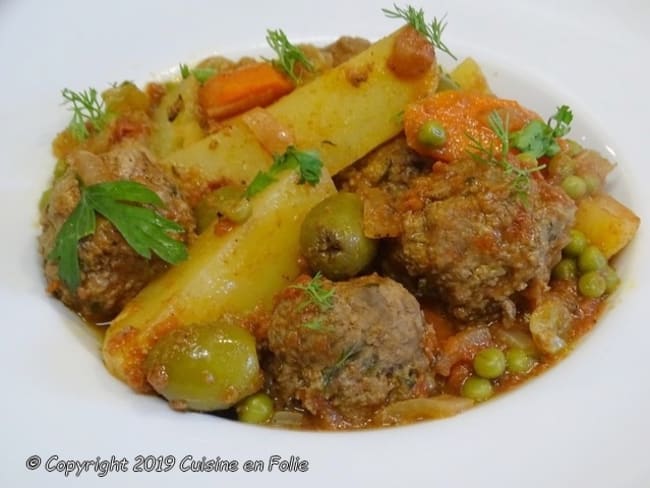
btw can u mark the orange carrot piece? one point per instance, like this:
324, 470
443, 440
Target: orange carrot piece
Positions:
461, 113
234, 92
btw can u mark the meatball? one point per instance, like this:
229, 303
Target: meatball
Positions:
111, 271
341, 362
472, 242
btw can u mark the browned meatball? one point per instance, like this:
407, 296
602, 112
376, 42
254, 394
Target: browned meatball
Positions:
472, 242
111, 271
344, 362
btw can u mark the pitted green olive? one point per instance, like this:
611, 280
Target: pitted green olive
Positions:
204, 367
332, 238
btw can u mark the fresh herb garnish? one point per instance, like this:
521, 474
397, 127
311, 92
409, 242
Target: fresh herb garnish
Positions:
308, 163
316, 293
201, 74
143, 229
539, 139
346, 356
288, 54
520, 176
316, 324
415, 18
87, 108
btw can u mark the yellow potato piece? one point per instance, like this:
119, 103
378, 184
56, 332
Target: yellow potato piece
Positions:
235, 272
343, 114
469, 76
607, 223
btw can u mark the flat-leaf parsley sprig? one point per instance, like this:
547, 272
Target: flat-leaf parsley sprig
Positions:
87, 108
308, 163
520, 176
143, 229
539, 139
415, 18
288, 54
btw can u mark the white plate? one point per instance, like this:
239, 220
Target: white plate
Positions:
584, 423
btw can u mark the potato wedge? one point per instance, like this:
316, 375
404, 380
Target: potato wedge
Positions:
469, 76
235, 272
176, 118
343, 114
607, 223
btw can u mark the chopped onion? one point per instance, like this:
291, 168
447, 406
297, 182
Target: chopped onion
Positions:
287, 419
547, 322
269, 131
408, 411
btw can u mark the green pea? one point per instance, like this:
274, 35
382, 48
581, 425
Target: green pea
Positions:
591, 259
592, 284
611, 278
576, 245
566, 269
561, 165
574, 186
518, 361
432, 134
478, 389
592, 182
490, 363
255, 409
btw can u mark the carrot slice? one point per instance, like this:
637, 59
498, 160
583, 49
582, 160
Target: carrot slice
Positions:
462, 114
233, 92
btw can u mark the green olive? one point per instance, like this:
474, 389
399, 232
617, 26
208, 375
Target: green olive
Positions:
332, 238
518, 361
256, 409
490, 363
204, 367
574, 186
576, 245
227, 201
592, 284
478, 389
566, 269
591, 259
432, 134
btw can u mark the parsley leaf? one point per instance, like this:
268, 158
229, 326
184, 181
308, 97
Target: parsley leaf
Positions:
520, 183
143, 229
288, 54
560, 121
87, 108
308, 163
415, 18
539, 138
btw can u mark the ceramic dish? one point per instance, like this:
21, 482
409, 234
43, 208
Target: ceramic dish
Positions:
583, 423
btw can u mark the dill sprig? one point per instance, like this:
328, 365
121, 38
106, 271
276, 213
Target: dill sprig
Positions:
316, 293
346, 356
520, 176
288, 54
87, 108
415, 18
